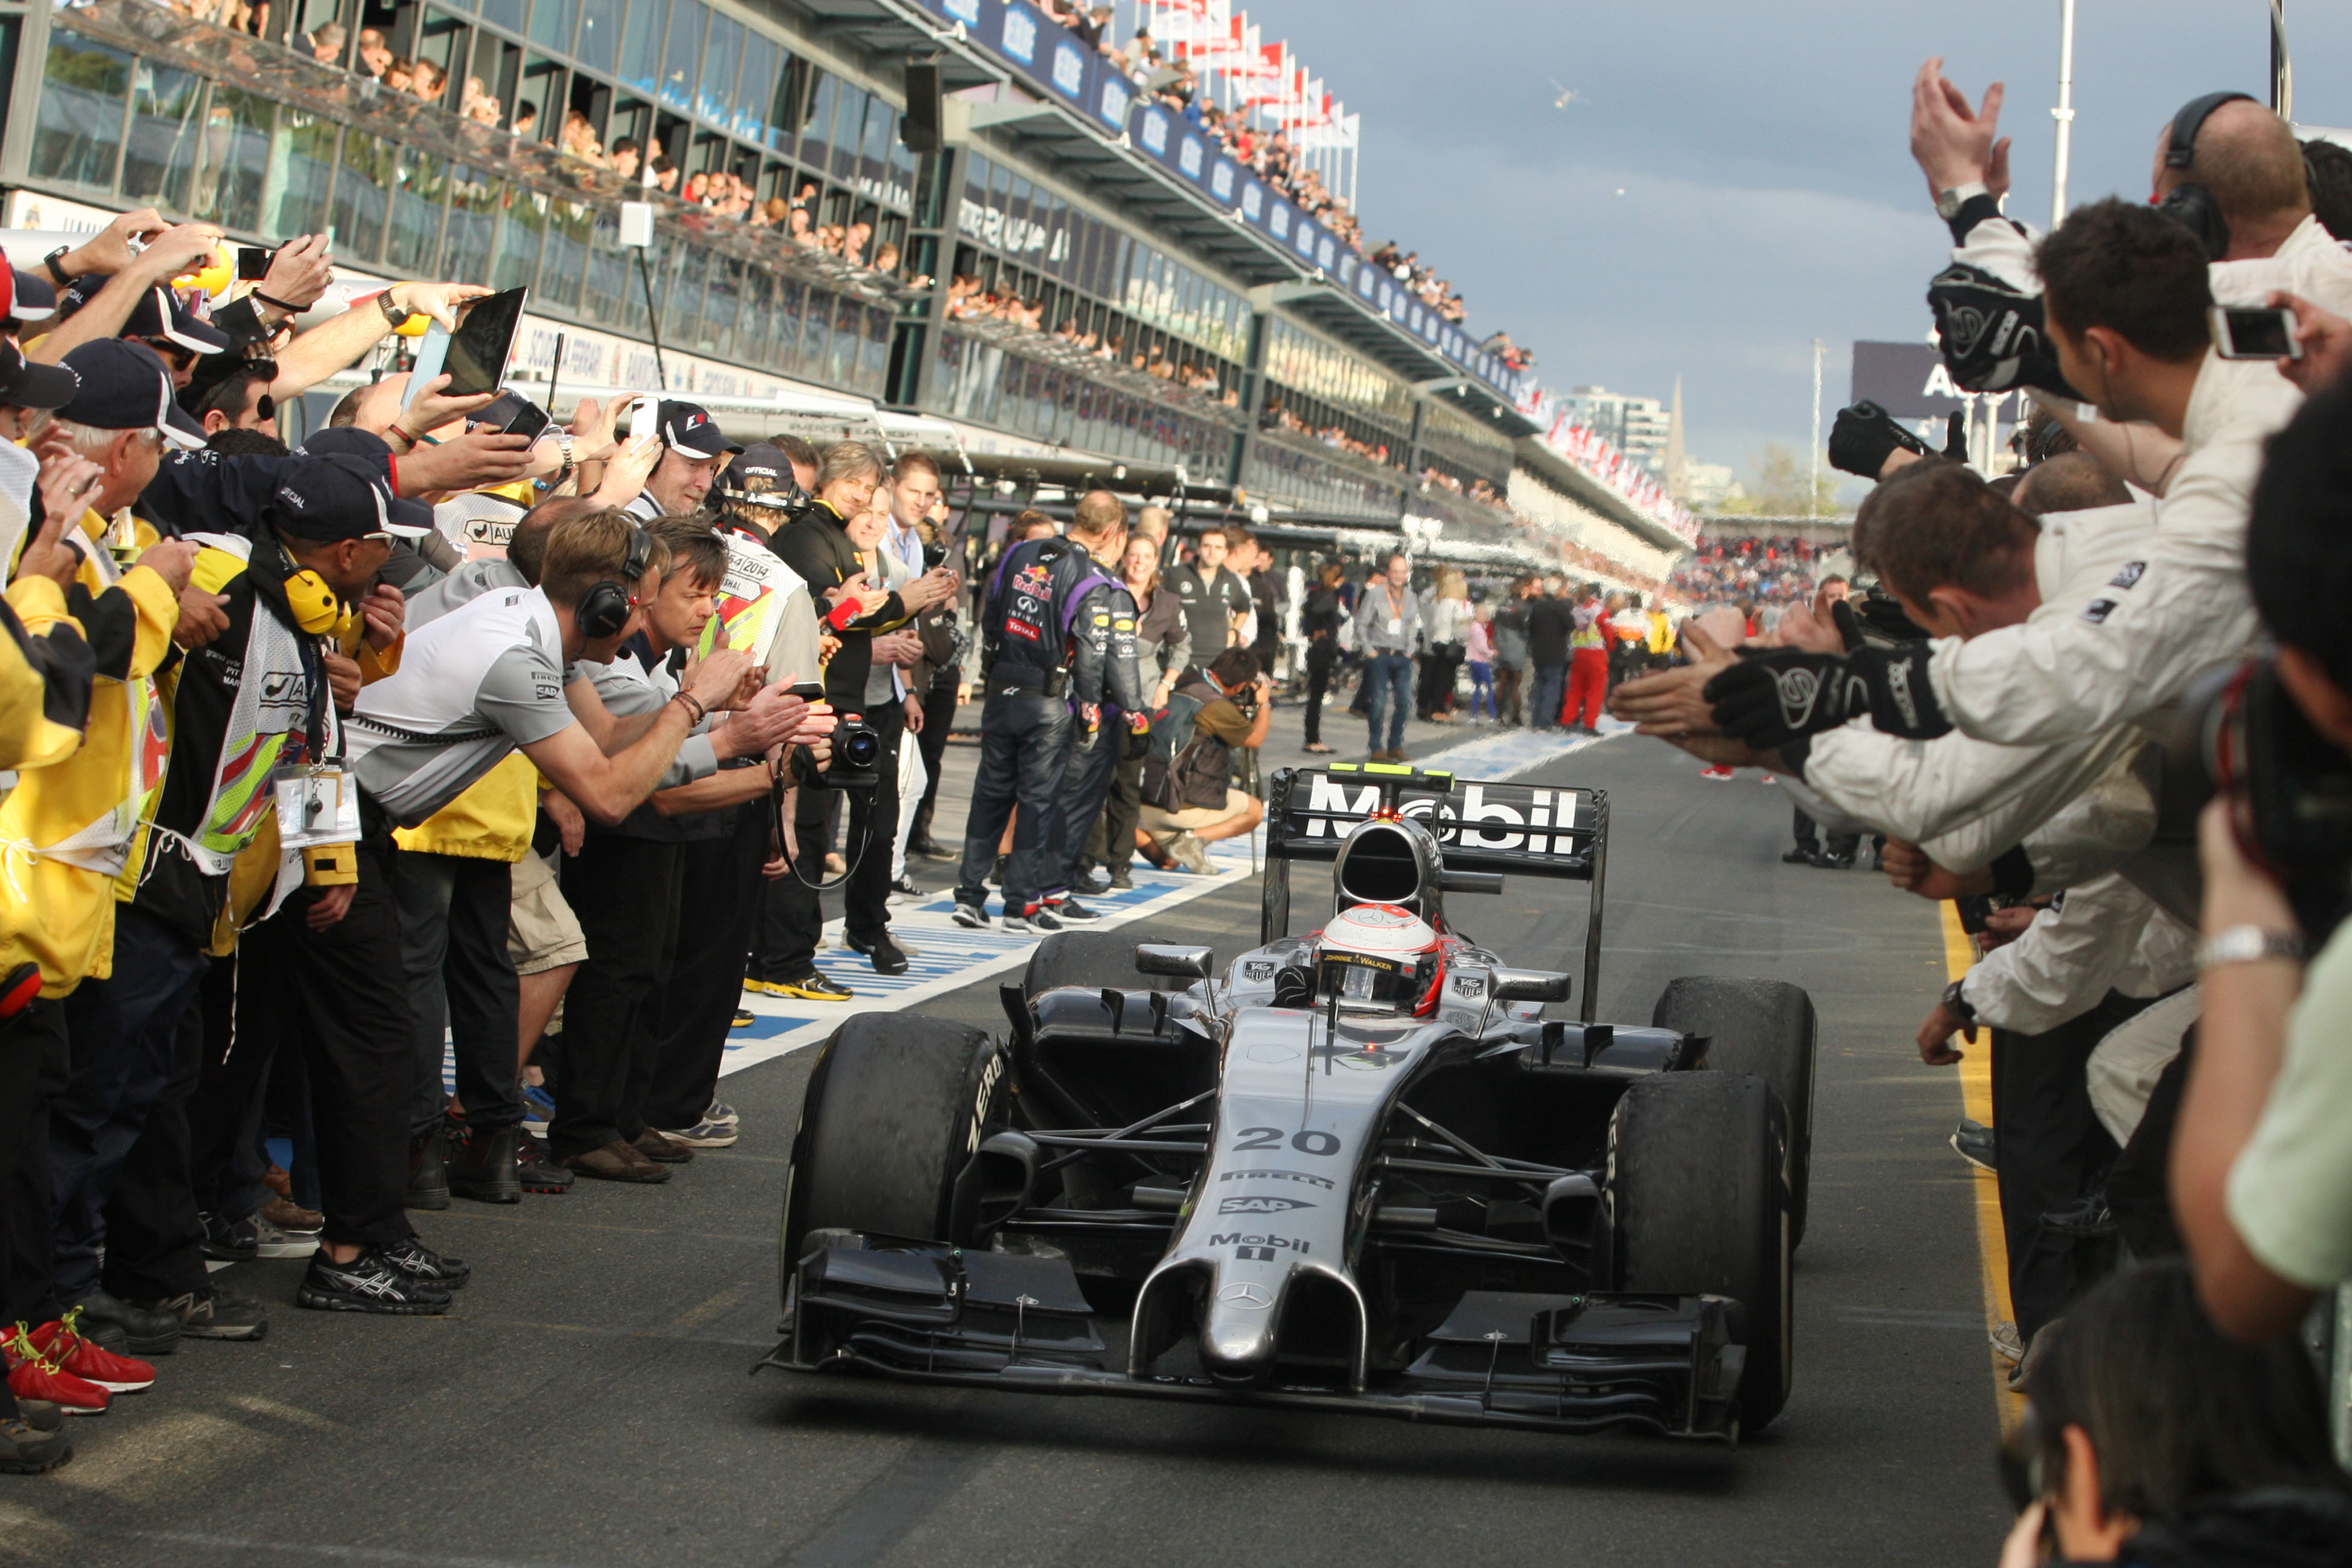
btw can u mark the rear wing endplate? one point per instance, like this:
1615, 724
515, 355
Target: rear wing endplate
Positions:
1521, 830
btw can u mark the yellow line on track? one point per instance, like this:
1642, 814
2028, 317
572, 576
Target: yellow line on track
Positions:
1992, 1248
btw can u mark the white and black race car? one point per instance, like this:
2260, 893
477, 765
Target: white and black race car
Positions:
1352, 1170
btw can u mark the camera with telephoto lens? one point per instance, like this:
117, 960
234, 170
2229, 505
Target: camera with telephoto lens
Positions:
857, 757
2241, 736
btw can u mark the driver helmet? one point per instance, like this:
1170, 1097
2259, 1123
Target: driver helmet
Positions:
1381, 958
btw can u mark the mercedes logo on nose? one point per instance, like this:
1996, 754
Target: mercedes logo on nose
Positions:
1247, 1295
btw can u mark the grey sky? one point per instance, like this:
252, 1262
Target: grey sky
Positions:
1769, 194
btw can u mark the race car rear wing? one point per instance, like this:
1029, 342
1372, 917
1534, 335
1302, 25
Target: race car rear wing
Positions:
1510, 829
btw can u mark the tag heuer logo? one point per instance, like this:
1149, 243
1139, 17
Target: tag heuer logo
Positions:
1470, 985
1258, 969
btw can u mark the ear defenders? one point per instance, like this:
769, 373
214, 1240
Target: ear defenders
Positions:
605, 607
2192, 206
317, 607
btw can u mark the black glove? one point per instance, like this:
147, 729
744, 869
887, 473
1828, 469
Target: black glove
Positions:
1955, 437
1993, 335
1770, 699
1139, 744
1884, 619
1848, 625
1865, 437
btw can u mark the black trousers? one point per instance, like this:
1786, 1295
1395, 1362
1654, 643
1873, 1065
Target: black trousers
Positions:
1024, 742
2139, 1187
794, 921
2052, 1152
338, 997
624, 891
1087, 780
1510, 707
1322, 657
719, 886
453, 912
1112, 842
939, 717
230, 1085
35, 1063
154, 1240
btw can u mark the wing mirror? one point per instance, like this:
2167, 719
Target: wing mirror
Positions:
1184, 962
1530, 986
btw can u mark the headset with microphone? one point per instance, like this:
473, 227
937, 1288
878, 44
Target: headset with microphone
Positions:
604, 608
2192, 205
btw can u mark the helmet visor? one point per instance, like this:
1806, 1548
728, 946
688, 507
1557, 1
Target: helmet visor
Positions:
1369, 982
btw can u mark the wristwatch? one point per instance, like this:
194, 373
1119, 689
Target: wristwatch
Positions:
1948, 202
2248, 944
1958, 1005
49, 265
392, 312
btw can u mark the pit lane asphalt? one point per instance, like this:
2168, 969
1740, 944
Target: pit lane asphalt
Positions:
588, 1402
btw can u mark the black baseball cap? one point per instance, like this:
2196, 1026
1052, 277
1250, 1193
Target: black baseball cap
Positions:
688, 427
345, 441
159, 315
25, 383
124, 386
338, 498
761, 475
34, 298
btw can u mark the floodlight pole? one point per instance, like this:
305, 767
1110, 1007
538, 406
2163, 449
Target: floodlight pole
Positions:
2064, 113
1813, 480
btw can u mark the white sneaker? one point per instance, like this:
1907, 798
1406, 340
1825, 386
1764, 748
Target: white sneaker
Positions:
2007, 1346
1190, 853
278, 1243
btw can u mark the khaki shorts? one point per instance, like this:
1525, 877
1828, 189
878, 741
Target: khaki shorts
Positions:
541, 931
1193, 817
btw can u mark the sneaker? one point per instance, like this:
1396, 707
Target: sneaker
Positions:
412, 1257
904, 892
1122, 882
1799, 856
1829, 862
616, 1162
888, 957
62, 1343
484, 1170
744, 1019
2090, 1217
1973, 1142
2007, 1346
26, 1450
1071, 909
703, 1135
209, 1312
536, 1169
41, 1414
660, 1149
277, 1243
370, 1282
718, 1111
230, 1241
127, 1329
971, 917
930, 848
293, 1218
1049, 918
812, 987
1191, 853
765, 988
1019, 925
1715, 774
429, 1175
1096, 880
34, 1375
1768, 778
538, 1107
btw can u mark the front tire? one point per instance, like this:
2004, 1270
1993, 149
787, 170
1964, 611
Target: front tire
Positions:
1093, 959
1698, 1204
1762, 1027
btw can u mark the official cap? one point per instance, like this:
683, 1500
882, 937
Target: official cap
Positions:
338, 498
124, 386
25, 383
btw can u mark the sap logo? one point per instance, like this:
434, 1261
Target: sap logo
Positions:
1258, 1248
1261, 1206
1324, 1182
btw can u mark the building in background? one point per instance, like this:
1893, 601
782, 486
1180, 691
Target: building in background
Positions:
1637, 427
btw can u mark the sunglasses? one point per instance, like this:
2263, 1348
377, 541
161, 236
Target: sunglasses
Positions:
177, 355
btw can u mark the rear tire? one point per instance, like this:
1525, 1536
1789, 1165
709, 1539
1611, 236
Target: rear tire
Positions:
1093, 959
1697, 1206
1762, 1027
895, 1114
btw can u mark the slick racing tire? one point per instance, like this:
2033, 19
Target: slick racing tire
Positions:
1766, 1027
1093, 959
1697, 1206
890, 1131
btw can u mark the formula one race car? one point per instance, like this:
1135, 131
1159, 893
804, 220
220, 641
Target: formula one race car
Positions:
1352, 1170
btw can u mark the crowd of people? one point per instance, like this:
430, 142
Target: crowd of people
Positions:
1753, 573
2167, 999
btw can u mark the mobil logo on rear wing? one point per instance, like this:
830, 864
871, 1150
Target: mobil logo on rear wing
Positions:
1479, 826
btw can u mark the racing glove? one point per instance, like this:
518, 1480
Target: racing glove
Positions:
1865, 437
1772, 698
1991, 334
1139, 737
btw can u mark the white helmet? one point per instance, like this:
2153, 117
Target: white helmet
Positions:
1381, 958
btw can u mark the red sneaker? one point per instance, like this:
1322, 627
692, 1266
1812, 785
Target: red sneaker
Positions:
34, 1375
1715, 774
62, 1343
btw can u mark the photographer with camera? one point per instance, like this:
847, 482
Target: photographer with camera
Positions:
2261, 1171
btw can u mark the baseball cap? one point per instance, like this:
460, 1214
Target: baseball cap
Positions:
344, 441
124, 386
762, 475
688, 427
26, 384
35, 298
338, 497
159, 314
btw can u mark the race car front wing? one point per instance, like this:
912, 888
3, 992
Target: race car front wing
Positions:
1549, 1362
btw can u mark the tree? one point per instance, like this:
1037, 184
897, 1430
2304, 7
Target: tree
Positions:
1777, 486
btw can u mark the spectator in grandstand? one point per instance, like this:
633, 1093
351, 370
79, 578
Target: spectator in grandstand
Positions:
375, 55
1388, 625
2152, 1439
1319, 620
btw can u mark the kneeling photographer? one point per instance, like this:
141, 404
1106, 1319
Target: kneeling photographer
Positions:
2261, 1171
